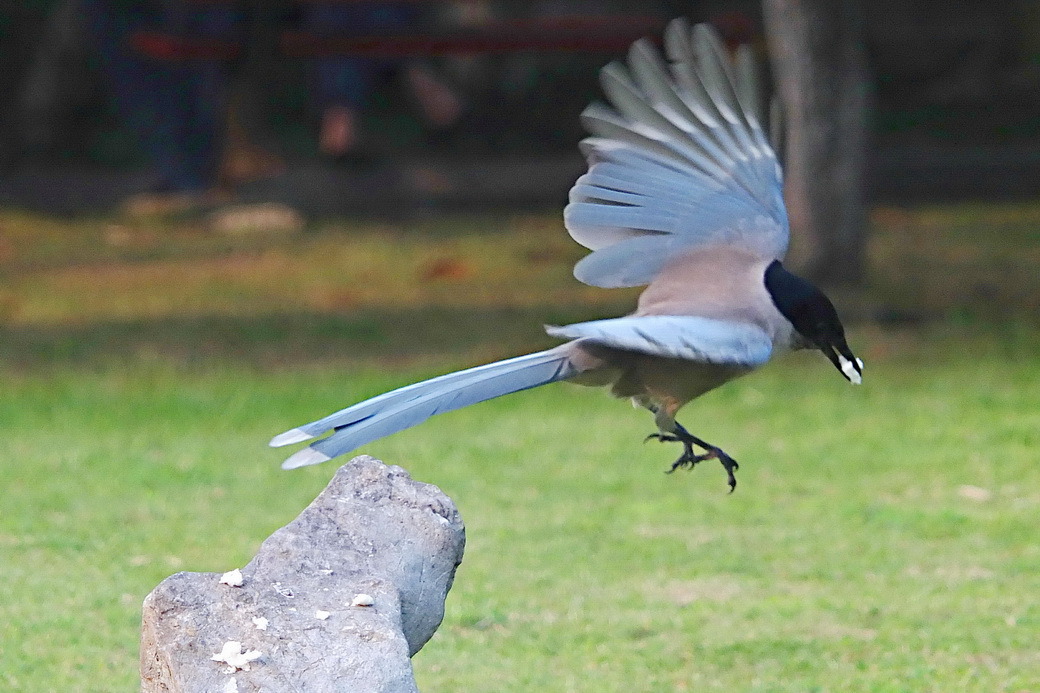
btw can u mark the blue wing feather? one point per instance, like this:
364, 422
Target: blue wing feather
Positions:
681, 161
692, 338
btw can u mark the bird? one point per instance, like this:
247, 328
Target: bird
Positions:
683, 195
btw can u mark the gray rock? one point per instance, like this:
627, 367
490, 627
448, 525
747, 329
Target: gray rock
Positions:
373, 532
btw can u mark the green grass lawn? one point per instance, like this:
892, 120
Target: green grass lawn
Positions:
882, 538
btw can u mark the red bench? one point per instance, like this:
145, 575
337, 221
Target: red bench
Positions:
567, 33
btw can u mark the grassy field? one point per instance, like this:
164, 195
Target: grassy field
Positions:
882, 538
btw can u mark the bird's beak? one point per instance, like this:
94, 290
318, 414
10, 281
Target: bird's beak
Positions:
851, 369
845, 361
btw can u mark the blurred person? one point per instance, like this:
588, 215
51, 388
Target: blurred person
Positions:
343, 85
176, 109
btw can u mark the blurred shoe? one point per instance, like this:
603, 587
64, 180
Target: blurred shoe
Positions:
263, 218
244, 162
440, 105
167, 204
339, 131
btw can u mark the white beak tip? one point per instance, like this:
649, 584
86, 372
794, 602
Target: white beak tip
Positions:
850, 370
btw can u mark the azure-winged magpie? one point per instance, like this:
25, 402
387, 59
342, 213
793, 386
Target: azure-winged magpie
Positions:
683, 194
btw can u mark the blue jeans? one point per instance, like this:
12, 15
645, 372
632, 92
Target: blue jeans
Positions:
175, 109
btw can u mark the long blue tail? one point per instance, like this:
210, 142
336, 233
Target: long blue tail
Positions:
407, 406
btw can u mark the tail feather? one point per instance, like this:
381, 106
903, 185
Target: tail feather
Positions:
408, 406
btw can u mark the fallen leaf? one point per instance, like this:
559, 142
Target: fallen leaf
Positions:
446, 269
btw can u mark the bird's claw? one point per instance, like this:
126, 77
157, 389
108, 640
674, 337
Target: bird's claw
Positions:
689, 459
731, 466
686, 461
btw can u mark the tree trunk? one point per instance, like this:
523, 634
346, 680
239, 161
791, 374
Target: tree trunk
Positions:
820, 68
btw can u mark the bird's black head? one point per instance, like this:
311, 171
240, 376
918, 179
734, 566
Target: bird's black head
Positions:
814, 318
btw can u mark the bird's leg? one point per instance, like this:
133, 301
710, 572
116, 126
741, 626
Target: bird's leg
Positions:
690, 458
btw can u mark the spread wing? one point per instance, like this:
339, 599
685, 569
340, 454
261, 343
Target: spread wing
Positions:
680, 161
677, 336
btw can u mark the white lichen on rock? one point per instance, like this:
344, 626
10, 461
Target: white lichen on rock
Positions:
260, 622
236, 657
363, 600
233, 578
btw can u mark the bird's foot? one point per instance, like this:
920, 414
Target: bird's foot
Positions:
690, 458
730, 465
